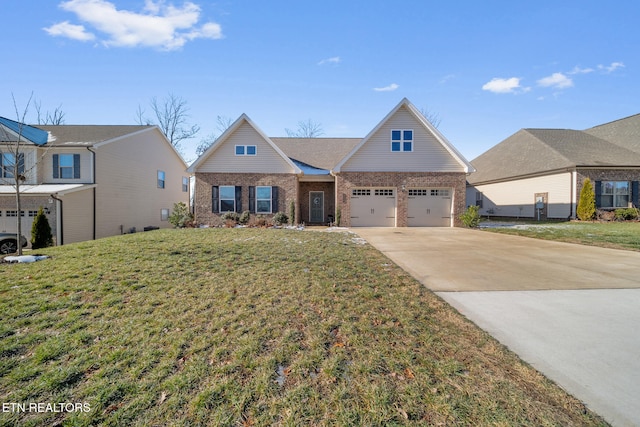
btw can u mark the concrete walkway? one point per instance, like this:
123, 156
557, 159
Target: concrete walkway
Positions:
571, 311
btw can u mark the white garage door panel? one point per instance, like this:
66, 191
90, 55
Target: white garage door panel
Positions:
373, 207
429, 207
9, 221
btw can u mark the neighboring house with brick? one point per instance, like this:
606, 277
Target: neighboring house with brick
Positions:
541, 171
403, 173
92, 181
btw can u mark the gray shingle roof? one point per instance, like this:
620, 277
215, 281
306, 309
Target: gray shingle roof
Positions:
535, 151
87, 135
323, 153
624, 132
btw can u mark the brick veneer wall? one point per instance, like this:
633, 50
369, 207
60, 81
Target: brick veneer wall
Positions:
287, 190
345, 181
605, 175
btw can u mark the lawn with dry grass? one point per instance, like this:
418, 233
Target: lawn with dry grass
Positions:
252, 327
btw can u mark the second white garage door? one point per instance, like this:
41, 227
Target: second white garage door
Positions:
429, 207
373, 207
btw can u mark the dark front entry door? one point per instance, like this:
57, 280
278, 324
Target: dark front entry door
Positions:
316, 206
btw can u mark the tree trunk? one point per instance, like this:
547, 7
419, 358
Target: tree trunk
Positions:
19, 206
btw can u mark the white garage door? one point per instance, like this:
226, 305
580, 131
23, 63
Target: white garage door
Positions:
9, 221
429, 207
373, 207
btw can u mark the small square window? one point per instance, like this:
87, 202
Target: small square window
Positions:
251, 150
239, 150
395, 146
401, 140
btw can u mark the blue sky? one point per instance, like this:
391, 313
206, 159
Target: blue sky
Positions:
486, 68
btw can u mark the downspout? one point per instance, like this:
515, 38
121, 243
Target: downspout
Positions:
61, 242
93, 181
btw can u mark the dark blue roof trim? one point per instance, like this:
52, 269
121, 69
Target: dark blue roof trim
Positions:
308, 169
30, 133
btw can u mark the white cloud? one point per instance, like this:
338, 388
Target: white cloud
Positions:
389, 88
498, 85
332, 60
556, 80
611, 68
578, 70
159, 25
65, 29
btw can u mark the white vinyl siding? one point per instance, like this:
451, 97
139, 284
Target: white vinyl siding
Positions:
516, 198
266, 160
428, 154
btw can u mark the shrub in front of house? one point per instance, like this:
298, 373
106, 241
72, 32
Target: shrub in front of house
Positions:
180, 217
245, 217
626, 214
292, 213
471, 217
41, 236
586, 209
280, 218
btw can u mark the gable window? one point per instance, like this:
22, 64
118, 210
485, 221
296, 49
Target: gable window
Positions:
185, 184
246, 150
8, 162
615, 194
402, 140
66, 166
161, 179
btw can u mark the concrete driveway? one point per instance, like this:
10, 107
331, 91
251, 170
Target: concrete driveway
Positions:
571, 311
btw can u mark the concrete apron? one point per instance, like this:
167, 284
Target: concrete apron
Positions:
571, 311
458, 259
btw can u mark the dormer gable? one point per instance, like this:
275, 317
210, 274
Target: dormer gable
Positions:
244, 148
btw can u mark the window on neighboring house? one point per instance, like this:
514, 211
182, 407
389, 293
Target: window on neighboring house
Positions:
227, 198
479, 199
161, 179
402, 140
8, 162
66, 166
246, 150
164, 214
185, 184
614, 194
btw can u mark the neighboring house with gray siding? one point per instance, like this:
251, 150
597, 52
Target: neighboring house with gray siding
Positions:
92, 181
403, 173
541, 171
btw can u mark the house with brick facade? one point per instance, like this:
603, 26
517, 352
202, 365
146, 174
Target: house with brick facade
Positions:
92, 181
540, 172
403, 173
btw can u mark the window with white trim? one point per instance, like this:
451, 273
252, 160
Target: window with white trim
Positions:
227, 198
8, 162
263, 200
402, 140
246, 150
615, 194
185, 184
164, 214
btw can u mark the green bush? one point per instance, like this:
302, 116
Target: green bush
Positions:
245, 217
41, 236
180, 217
292, 213
586, 209
231, 216
626, 214
280, 218
471, 218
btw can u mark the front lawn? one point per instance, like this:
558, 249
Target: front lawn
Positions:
616, 235
251, 327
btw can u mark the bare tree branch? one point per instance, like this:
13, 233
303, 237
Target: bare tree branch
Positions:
306, 129
222, 124
433, 118
172, 115
48, 118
